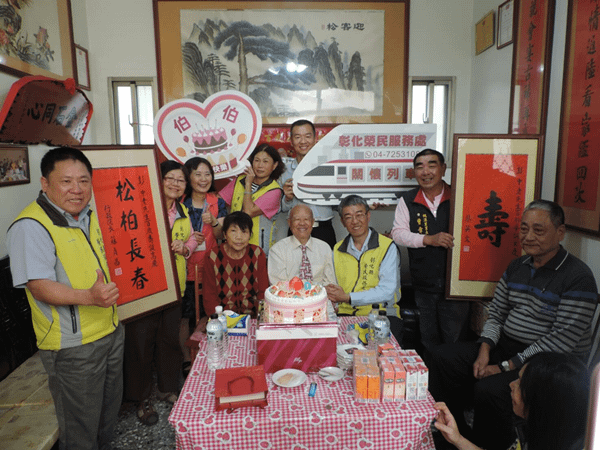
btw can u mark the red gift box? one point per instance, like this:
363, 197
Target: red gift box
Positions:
240, 386
307, 347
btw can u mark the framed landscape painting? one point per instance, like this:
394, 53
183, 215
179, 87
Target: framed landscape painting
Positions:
336, 62
36, 38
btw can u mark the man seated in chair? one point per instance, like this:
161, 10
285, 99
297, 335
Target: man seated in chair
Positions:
367, 267
301, 255
544, 302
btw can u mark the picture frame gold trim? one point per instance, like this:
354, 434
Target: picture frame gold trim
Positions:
115, 156
16, 67
484, 33
395, 83
485, 144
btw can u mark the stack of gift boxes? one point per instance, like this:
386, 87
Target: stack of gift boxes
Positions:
389, 375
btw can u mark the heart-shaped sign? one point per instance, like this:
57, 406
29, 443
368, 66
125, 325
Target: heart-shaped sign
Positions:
224, 130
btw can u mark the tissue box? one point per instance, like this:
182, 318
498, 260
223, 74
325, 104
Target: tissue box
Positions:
307, 347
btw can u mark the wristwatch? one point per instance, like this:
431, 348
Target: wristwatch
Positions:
504, 366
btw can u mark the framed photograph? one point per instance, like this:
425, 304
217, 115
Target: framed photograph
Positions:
530, 79
336, 61
505, 24
14, 165
127, 197
82, 67
484, 33
38, 41
578, 168
493, 178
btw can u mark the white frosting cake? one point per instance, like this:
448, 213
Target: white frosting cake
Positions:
295, 301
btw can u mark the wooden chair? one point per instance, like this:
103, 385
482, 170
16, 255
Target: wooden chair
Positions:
192, 343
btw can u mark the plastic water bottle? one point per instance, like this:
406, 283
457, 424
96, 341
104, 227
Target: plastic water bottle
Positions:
214, 343
381, 328
223, 320
373, 314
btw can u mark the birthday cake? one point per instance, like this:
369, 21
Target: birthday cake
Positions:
295, 301
209, 141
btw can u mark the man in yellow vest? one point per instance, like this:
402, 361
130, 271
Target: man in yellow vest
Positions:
57, 254
367, 267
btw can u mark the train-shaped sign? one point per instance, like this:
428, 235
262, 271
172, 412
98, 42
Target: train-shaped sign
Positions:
373, 161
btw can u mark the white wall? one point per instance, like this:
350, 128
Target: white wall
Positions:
121, 35
490, 79
440, 45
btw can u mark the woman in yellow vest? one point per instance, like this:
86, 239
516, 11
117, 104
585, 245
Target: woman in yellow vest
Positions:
155, 337
206, 211
257, 193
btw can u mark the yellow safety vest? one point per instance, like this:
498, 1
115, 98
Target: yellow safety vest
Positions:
182, 231
361, 275
80, 258
236, 205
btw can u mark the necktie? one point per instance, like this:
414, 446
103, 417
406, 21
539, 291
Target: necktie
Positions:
305, 270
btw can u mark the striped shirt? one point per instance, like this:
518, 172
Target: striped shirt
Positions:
549, 308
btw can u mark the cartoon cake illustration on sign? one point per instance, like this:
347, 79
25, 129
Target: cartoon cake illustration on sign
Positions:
209, 141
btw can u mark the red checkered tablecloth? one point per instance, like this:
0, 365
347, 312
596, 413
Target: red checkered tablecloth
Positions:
330, 420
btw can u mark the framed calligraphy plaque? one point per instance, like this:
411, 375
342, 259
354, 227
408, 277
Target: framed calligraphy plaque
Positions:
530, 80
493, 178
127, 199
333, 61
505, 24
578, 168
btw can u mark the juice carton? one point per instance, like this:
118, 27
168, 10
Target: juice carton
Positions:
400, 381
412, 381
360, 380
423, 385
374, 383
384, 348
388, 381
408, 359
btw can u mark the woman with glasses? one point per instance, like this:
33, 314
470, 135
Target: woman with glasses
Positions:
206, 211
257, 193
155, 338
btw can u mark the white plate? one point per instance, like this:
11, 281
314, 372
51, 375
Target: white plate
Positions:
331, 373
342, 350
288, 378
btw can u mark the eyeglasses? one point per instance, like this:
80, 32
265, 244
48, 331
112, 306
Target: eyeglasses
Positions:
172, 180
358, 216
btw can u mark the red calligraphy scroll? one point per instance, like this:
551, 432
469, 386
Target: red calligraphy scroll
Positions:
530, 72
494, 198
127, 219
580, 189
